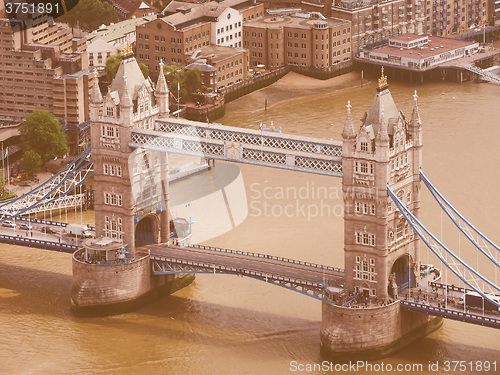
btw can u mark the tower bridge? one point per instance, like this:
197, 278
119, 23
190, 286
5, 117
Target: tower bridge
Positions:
380, 166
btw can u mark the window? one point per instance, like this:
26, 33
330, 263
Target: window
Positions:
364, 146
109, 111
367, 239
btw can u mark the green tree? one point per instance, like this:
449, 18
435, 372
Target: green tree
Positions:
4, 193
89, 15
113, 63
43, 134
32, 162
189, 79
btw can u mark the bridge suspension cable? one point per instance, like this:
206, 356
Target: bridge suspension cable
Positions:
53, 193
463, 224
437, 247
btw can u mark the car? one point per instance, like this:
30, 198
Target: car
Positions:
8, 223
48, 230
25, 226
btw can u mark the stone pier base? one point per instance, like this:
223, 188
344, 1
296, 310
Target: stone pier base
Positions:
113, 289
371, 333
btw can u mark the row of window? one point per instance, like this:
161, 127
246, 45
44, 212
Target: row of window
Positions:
229, 27
363, 238
113, 199
363, 270
113, 228
110, 131
363, 167
112, 169
399, 161
364, 208
229, 37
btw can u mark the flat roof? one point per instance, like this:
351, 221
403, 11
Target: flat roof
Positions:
219, 53
276, 22
407, 37
435, 47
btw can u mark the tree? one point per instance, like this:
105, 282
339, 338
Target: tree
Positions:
189, 80
32, 163
89, 15
113, 63
4, 193
43, 134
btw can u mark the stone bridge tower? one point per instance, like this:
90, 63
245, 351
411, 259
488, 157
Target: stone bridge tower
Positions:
127, 203
381, 251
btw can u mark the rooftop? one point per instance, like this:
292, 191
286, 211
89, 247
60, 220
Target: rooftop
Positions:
300, 20
436, 46
219, 53
118, 30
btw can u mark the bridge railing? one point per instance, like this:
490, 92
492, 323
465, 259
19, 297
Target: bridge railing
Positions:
452, 314
250, 272
41, 244
273, 257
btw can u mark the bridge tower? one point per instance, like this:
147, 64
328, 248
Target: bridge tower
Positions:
379, 246
381, 252
132, 102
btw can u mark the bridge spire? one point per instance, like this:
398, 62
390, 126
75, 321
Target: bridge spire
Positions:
415, 121
349, 131
382, 138
161, 92
96, 96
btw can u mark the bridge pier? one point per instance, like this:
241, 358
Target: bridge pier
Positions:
104, 284
372, 332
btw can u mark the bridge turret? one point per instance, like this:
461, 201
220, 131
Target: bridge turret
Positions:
126, 106
95, 99
162, 92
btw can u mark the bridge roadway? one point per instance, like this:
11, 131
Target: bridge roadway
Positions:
305, 277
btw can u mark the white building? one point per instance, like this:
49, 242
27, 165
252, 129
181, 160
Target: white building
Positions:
420, 51
227, 28
98, 50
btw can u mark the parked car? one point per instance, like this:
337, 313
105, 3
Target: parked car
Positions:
8, 223
48, 230
25, 226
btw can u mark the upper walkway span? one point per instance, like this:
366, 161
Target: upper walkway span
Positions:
259, 147
307, 278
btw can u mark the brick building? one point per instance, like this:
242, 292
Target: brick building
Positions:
180, 36
309, 40
42, 66
222, 66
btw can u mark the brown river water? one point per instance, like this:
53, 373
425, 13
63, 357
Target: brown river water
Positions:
232, 325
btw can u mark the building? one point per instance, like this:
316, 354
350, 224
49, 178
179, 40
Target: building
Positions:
308, 40
375, 22
420, 52
42, 66
98, 51
187, 28
128, 9
447, 17
109, 40
222, 66
118, 34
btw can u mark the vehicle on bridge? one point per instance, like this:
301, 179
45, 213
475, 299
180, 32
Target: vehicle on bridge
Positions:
75, 230
9, 224
25, 226
48, 230
474, 299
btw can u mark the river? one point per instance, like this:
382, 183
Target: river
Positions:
233, 325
